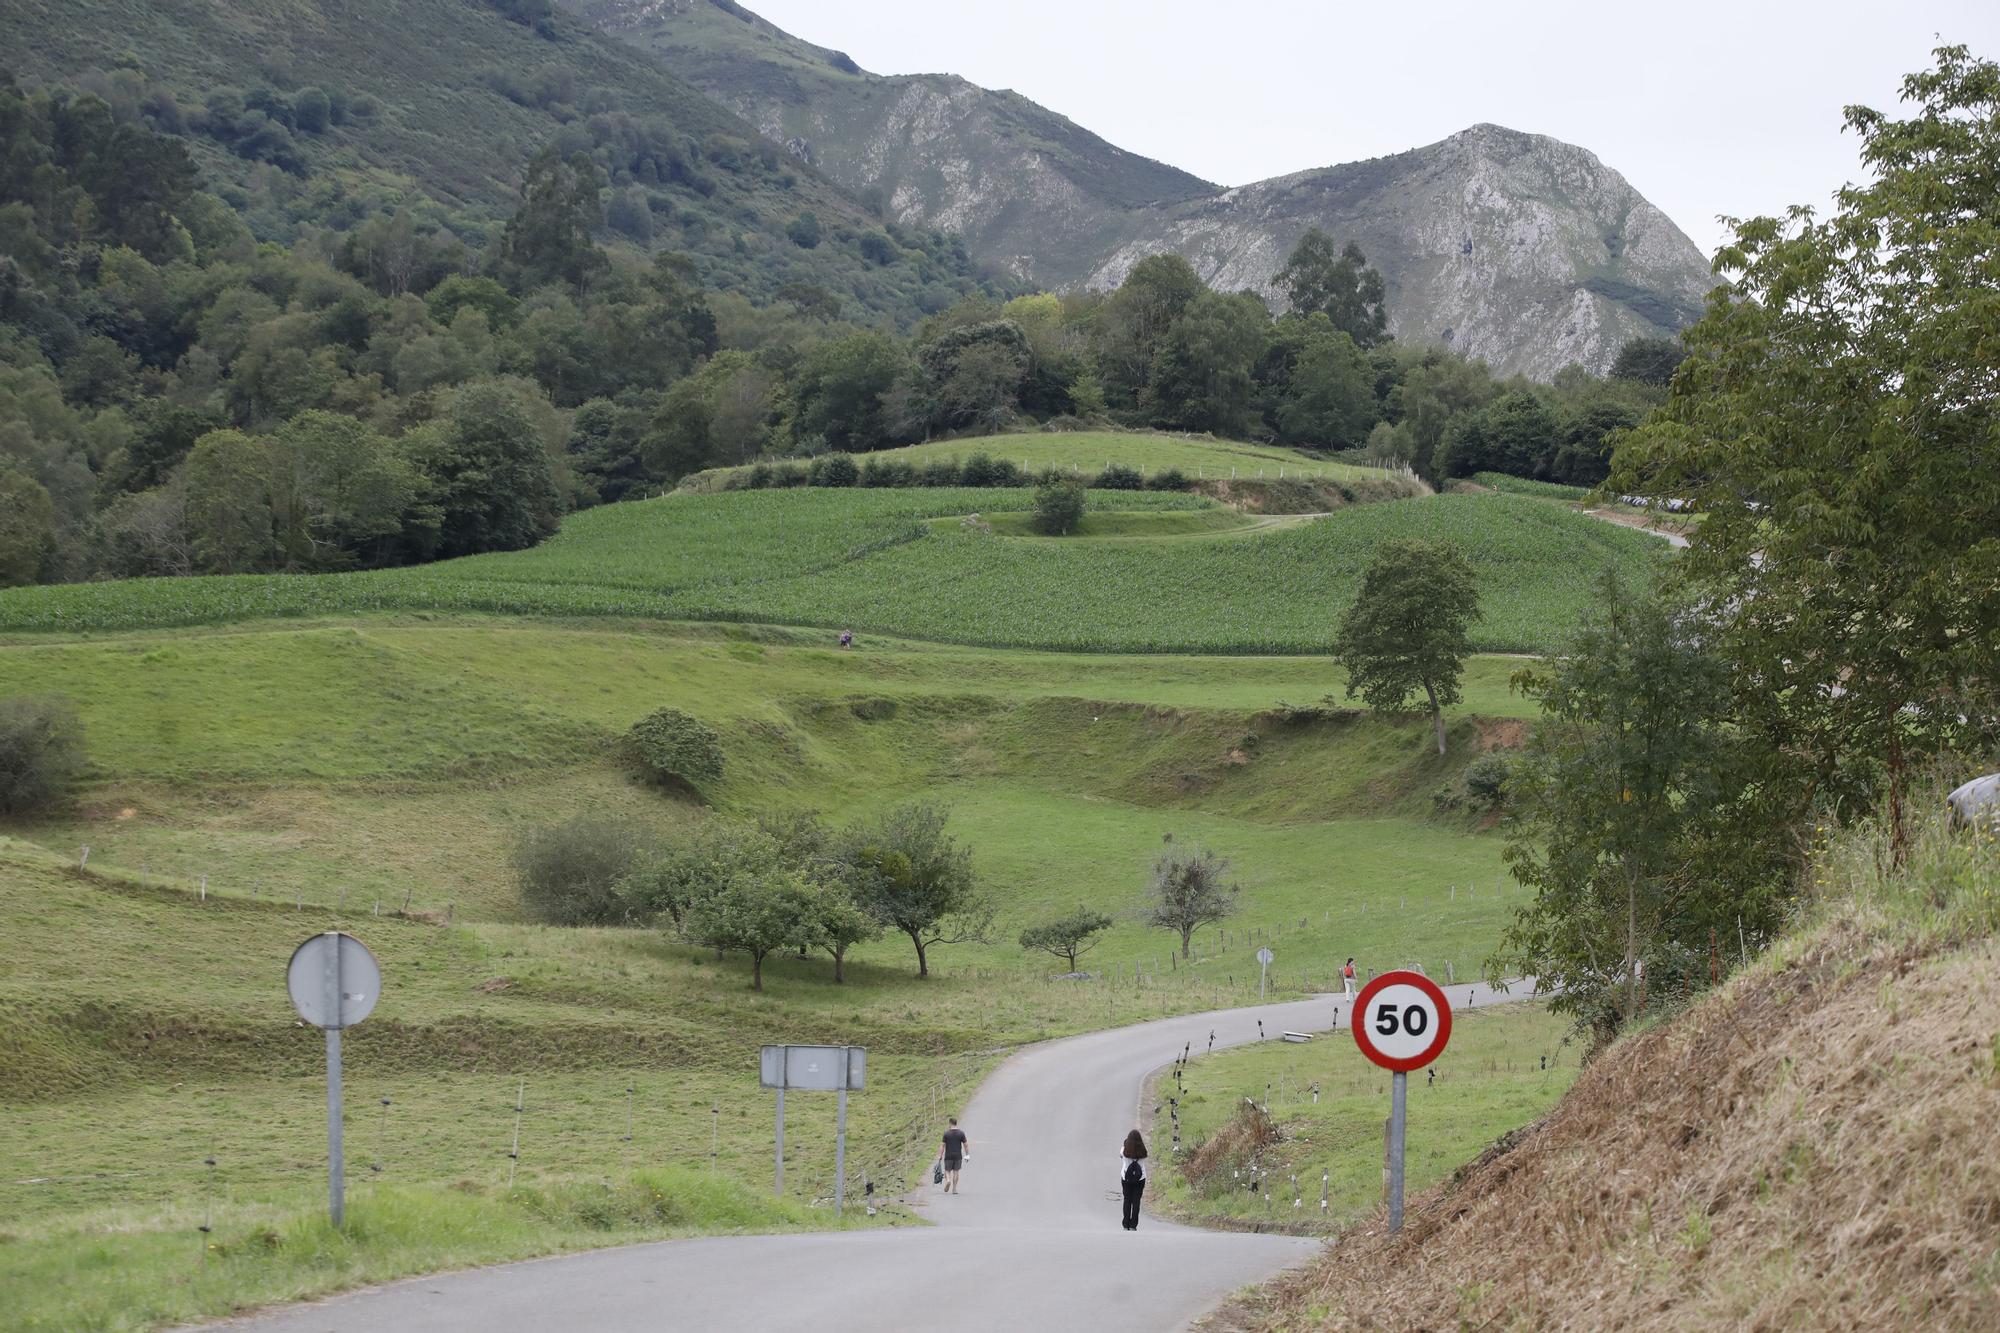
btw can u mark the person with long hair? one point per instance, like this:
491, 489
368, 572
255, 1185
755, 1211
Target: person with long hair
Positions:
1132, 1177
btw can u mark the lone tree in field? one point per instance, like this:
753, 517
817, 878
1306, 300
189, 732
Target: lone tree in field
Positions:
41, 752
1067, 936
760, 914
1406, 632
673, 746
914, 877
1058, 504
1189, 891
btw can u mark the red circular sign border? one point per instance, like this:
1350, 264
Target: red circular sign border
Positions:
1422, 983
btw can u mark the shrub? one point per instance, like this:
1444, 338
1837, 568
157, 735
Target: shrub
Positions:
1118, 477
1173, 479
1058, 504
1485, 778
759, 476
41, 751
670, 744
834, 470
985, 470
884, 472
570, 873
787, 475
939, 472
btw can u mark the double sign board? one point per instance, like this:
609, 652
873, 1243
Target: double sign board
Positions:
1401, 1021
815, 1069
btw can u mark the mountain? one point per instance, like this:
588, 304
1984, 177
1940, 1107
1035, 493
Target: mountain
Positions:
437, 105
1518, 248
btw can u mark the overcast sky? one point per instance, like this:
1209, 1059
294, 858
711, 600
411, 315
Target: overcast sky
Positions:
1707, 108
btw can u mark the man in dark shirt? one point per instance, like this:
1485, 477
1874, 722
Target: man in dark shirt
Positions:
952, 1156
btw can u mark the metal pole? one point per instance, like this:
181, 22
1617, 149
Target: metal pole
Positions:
336, 1201
840, 1156
781, 1144
1397, 1092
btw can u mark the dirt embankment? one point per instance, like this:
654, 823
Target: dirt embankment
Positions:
1816, 1146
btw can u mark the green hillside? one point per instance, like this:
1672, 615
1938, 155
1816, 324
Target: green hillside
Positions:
442, 102
1094, 450
867, 560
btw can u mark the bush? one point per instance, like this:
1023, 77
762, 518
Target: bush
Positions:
570, 873
834, 470
1118, 477
1173, 479
41, 751
1058, 504
985, 470
884, 472
671, 745
787, 475
939, 472
1485, 778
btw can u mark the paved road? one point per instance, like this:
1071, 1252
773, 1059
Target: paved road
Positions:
1033, 1241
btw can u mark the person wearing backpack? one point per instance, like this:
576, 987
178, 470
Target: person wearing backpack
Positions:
1132, 1177
1347, 979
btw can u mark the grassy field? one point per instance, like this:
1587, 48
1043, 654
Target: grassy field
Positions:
1543, 490
1093, 451
1504, 1067
867, 560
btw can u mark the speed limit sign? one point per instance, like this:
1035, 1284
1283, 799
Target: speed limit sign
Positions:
1402, 1021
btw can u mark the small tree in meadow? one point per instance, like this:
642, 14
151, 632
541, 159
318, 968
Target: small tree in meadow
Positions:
1067, 937
672, 745
1058, 504
759, 914
41, 751
1406, 632
572, 873
1189, 890
914, 877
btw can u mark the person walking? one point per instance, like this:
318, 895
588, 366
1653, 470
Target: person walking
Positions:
951, 1157
1132, 1177
1347, 979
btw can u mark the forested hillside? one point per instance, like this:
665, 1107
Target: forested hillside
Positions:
420, 117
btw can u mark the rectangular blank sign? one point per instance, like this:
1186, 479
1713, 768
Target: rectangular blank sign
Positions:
813, 1068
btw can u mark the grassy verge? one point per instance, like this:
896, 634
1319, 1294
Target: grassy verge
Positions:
136, 1268
1505, 1067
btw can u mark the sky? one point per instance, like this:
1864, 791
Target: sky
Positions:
1706, 108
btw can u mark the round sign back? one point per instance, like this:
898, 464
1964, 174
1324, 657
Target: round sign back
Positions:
334, 980
1402, 1021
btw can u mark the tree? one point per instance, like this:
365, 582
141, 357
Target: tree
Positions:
1328, 397
1342, 287
549, 238
339, 491
1406, 631
41, 751
1059, 500
228, 477
27, 528
1135, 319
675, 746
489, 473
915, 878
840, 386
1203, 376
759, 914
1836, 423
1067, 937
571, 874
1188, 890
1648, 360
1635, 833
805, 230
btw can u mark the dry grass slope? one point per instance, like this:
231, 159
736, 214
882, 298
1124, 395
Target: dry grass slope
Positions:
1811, 1147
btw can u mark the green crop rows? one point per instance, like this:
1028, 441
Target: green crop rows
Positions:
866, 559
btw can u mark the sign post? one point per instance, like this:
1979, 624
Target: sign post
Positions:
334, 982
1264, 960
815, 1069
1401, 1022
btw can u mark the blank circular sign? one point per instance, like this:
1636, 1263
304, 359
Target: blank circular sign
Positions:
333, 980
1402, 1021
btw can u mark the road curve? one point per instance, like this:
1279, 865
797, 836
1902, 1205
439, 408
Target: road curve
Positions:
1032, 1241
